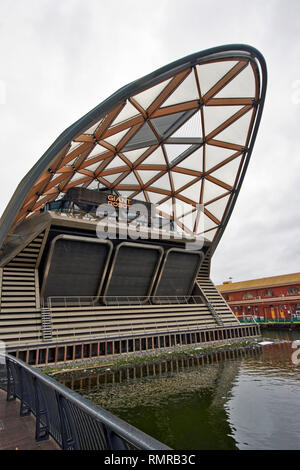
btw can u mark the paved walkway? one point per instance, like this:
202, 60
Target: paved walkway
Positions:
18, 432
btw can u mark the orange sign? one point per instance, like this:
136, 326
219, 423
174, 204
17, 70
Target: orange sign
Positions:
118, 201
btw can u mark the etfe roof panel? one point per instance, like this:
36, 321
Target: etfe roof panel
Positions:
180, 137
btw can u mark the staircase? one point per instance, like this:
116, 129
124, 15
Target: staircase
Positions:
46, 324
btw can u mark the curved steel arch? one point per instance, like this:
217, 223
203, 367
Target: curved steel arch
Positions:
242, 54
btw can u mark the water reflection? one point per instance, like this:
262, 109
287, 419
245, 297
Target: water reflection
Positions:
263, 407
180, 402
234, 400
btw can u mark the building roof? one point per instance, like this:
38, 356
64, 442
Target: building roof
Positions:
179, 137
284, 279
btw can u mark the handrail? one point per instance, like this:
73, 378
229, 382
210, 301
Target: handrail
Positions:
73, 421
246, 319
120, 300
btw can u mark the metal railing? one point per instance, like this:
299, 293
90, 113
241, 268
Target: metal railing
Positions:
120, 300
246, 319
73, 421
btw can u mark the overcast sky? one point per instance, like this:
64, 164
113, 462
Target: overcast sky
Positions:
60, 58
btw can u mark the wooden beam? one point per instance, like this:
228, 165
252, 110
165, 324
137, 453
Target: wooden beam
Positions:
109, 118
176, 108
172, 85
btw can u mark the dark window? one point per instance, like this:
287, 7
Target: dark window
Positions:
268, 293
293, 291
248, 295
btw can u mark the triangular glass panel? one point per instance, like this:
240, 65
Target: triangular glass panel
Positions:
188, 220
228, 172
191, 128
215, 155
211, 191
140, 197
126, 194
211, 234
242, 86
186, 91
164, 123
115, 163
97, 150
130, 179
214, 116
127, 112
144, 137
181, 179
155, 197
76, 177
218, 207
163, 182
167, 207
194, 161
71, 163
207, 222
134, 155
155, 158
237, 132
93, 128
146, 98
182, 208
174, 150
210, 74
74, 145
92, 167
112, 178
115, 139
95, 184
147, 175
192, 192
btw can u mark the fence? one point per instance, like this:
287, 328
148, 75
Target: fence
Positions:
73, 421
84, 301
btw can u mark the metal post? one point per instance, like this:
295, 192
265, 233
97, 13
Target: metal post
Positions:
41, 413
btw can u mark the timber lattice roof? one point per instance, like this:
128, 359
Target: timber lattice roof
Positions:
179, 137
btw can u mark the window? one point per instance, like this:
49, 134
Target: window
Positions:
248, 295
268, 293
293, 291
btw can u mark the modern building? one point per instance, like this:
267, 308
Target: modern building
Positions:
269, 298
107, 242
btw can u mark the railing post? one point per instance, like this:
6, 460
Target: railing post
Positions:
41, 414
113, 441
70, 419
11, 382
25, 408
69, 437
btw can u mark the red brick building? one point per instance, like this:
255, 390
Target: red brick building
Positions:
269, 298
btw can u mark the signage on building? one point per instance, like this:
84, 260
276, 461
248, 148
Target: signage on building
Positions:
118, 201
